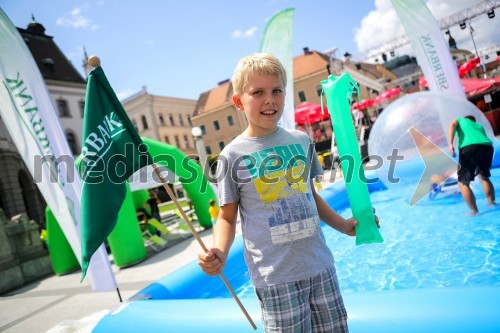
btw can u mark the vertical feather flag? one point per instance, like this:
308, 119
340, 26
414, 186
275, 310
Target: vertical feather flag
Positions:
111, 152
432, 52
277, 40
31, 119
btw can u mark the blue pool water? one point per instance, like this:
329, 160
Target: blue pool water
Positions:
430, 245
437, 271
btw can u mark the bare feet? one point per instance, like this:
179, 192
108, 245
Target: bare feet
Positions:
472, 213
491, 204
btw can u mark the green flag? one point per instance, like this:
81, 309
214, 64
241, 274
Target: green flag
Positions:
111, 152
277, 40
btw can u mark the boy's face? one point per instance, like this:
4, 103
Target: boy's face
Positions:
262, 100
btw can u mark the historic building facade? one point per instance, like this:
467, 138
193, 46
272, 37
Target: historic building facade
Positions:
165, 119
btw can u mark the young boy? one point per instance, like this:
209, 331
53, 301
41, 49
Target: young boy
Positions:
267, 173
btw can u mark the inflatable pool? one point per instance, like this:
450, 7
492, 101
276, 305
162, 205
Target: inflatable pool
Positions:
434, 273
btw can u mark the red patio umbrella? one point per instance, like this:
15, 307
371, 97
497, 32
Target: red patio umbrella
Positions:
310, 113
465, 68
366, 103
422, 81
387, 94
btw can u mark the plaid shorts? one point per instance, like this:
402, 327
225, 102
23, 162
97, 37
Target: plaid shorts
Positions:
305, 306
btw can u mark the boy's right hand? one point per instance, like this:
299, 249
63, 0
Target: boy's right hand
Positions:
212, 262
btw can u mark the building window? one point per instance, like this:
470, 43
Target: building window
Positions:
62, 107
189, 120
144, 122
208, 150
171, 119
181, 121
162, 120
70, 137
81, 105
230, 120
135, 125
302, 96
203, 130
216, 125
319, 90
167, 139
49, 64
186, 141
221, 145
177, 142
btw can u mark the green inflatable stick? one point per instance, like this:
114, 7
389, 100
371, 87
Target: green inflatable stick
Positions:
338, 91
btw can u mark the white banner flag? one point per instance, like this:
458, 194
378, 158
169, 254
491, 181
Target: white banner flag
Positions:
432, 52
277, 40
30, 117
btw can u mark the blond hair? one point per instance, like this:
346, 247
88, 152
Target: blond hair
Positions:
260, 63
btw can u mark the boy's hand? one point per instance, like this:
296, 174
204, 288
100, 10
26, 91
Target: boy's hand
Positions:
351, 223
212, 262
452, 150
349, 226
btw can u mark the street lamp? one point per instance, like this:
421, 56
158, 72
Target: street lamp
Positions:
475, 48
200, 146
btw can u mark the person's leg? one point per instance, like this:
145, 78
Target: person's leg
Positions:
285, 307
469, 197
483, 170
327, 307
489, 190
467, 158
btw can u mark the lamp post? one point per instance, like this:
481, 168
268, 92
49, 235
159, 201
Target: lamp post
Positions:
200, 146
483, 67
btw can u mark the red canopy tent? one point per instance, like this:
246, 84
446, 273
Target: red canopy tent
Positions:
471, 87
474, 87
309, 113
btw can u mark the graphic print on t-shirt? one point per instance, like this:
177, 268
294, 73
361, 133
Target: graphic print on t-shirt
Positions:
281, 177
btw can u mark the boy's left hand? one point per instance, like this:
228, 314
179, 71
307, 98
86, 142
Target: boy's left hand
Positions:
350, 225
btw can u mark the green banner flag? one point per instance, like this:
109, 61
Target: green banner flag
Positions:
111, 152
277, 40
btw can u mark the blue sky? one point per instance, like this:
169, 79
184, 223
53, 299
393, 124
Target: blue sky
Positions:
184, 48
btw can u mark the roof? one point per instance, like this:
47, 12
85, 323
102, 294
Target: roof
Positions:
402, 66
215, 98
366, 68
306, 64
399, 61
52, 63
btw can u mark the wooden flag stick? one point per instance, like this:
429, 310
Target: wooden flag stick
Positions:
200, 241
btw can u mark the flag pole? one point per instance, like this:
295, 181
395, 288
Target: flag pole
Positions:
95, 62
200, 241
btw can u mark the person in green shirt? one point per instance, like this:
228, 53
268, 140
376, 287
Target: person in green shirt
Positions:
475, 157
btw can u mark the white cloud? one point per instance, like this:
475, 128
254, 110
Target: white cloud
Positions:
237, 34
125, 93
244, 34
382, 25
76, 19
250, 32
